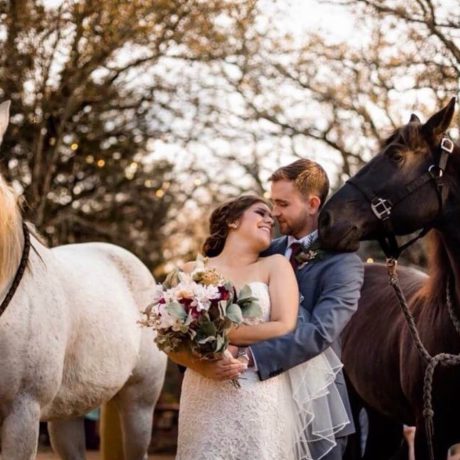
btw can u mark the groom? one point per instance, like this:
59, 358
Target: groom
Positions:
330, 283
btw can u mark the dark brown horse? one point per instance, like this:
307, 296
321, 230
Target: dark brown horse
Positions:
381, 360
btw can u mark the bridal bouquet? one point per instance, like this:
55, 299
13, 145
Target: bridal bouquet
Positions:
197, 310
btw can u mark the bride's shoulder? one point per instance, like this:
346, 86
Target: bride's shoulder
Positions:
275, 261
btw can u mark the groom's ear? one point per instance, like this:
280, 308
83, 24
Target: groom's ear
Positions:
314, 202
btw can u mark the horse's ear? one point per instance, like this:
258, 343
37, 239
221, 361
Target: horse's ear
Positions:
437, 125
4, 117
414, 118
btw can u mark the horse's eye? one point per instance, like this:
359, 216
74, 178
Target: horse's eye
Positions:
396, 156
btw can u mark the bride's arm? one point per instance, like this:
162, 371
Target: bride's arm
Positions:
284, 298
226, 368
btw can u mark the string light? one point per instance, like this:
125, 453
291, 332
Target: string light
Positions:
74, 146
370, 260
160, 193
100, 163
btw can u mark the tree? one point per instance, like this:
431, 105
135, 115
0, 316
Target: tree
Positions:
343, 98
95, 86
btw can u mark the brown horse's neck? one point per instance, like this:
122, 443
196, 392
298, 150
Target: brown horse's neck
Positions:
449, 232
444, 265
450, 239
444, 256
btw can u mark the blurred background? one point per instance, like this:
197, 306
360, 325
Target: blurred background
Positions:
130, 120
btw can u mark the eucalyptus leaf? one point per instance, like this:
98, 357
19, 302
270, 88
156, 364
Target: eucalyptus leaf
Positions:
234, 313
251, 310
206, 329
245, 293
231, 290
222, 308
177, 310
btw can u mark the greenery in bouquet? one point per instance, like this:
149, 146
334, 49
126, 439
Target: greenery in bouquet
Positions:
197, 310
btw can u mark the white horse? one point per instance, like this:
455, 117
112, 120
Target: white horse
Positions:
69, 340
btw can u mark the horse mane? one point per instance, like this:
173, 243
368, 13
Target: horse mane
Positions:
439, 264
433, 291
11, 235
408, 135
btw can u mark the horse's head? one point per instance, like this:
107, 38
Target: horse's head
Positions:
404, 187
4, 118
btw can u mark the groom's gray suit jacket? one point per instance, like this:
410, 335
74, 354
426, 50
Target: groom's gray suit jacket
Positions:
330, 289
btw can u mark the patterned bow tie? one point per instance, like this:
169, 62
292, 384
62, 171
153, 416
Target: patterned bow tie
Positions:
295, 248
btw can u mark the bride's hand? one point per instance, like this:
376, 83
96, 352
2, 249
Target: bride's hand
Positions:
227, 368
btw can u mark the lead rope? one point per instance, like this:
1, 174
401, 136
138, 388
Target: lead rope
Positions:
444, 359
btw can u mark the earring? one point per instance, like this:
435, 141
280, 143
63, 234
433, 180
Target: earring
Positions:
233, 225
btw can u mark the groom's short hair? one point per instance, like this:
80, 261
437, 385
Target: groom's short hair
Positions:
307, 175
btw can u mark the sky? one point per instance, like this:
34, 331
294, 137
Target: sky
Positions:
315, 16
300, 17
311, 15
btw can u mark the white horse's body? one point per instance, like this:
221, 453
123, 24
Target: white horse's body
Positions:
70, 341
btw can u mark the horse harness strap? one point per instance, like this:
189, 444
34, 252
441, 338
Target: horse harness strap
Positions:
442, 359
20, 271
382, 207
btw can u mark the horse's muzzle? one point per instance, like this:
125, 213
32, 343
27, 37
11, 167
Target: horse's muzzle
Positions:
337, 236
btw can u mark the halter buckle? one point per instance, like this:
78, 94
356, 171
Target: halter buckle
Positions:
381, 208
435, 172
447, 144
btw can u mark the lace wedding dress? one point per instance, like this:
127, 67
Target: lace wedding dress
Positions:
288, 417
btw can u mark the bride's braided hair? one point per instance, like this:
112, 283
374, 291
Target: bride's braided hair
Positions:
224, 215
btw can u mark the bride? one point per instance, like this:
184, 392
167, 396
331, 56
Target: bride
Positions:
272, 419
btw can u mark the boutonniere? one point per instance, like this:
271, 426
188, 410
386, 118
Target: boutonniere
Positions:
309, 254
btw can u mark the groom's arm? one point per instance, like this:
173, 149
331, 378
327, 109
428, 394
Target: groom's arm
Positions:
340, 284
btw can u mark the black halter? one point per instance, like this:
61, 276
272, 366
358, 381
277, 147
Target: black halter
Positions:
382, 207
20, 271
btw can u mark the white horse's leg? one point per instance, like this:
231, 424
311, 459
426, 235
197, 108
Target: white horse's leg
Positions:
68, 438
136, 402
136, 423
20, 431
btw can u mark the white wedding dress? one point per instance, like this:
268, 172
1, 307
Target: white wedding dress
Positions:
283, 418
